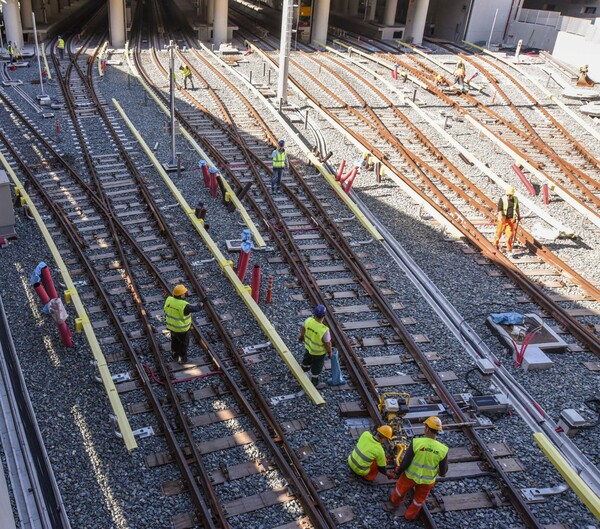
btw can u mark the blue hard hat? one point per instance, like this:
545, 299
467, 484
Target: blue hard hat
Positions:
281, 143
320, 311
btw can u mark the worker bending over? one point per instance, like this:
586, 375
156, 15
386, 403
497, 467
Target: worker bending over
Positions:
424, 459
368, 458
187, 76
178, 314
508, 211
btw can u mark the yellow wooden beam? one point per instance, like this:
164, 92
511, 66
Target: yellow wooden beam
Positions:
82, 320
227, 267
579, 487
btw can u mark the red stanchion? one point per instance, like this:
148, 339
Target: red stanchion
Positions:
214, 187
269, 298
65, 334
41, 292
546, 193
524, 179
348, 174
57, 126
340, 170
48, 283
255, 283
242, 265
395, 72
348, 185
206, 175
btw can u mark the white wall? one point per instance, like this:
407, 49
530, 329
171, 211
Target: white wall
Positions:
533, 35
482, 18
578, 50
448, 17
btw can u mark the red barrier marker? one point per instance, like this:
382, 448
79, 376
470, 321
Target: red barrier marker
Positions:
41, 292
340, 170
242, 265
270, 290
214, 186
546, 193
205, 174
348, 186
348, 174
65, 334
524, 179
57, 126
48, 283
255, 283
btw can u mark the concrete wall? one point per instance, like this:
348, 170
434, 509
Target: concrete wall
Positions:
567, 8
448, 18
578, 50
533, 35
482, 18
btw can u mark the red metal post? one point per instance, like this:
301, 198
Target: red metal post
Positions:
214, 186
41, 292
242, 265
348, 185
546, 193
348, 174
270, 290
205, 173
57, 126
524, 179
65, 334
48, 283
340, 170
255, 283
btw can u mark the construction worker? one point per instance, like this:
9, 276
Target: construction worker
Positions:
12, 52
60, 46
178, 313
508, 211
583, 79
424, 459
187, 76
317, 343
368, 457
460, 73
280, 162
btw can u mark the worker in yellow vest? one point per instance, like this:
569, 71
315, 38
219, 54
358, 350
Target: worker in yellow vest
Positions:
508, 211
60, 46
187, 76
368, 457
280, 163
424, 459
178, 313
317, 343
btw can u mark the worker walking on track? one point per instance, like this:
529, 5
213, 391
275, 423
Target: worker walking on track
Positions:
460, 73
424, 459
187, 76
178, 314
508, 211
317, 342
60, 46
280, 162
368, 457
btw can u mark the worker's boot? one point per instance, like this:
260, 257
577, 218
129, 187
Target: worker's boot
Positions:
316, 383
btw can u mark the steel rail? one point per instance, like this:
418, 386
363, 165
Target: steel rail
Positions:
456, 217
289, 464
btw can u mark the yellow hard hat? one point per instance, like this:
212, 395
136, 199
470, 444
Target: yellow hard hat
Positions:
510, 191
386, 431
434, 423
179, 290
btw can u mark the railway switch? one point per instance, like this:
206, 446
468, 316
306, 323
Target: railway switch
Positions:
489, 404
485, 367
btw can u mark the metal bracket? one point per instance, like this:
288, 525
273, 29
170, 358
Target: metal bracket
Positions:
282, 398
118, 378
253, 348
539, 495
140, 433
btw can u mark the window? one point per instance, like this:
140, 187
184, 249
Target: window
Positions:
589, 10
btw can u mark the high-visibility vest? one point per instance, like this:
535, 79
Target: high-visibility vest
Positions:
425, 464
177, 321
61, 44
279, 159
313, 337
186, 71
367, 450
505, 206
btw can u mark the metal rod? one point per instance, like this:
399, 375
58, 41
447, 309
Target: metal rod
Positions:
37, 54
171, 49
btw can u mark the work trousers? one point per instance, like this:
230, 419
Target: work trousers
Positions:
179, 344
276, 179
185, 81
315, 364
403, 485
506, 226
